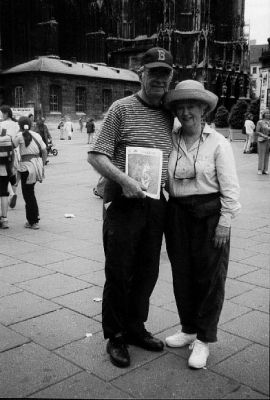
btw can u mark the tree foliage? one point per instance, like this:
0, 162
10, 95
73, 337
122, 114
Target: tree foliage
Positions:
221, 117
237, 114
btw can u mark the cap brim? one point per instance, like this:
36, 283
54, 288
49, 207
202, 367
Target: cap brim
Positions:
158, 64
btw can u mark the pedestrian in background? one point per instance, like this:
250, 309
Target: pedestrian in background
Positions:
81, 124
61, 128
32, 120
90, 129
249, 128
68, 128
33, 158
204, 193
263, 139
133, 223
9, 126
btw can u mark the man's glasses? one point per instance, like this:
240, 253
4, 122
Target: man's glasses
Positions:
185, 173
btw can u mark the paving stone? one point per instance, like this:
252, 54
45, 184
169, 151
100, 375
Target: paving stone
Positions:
244, 243
17, 248
95, 253
253, 326
29, 368
263, 248
75, 266
242, 233
260, 261
262, 237
171, 307
42, 238
254, 370
234, 288
21, 306
257, 298
82, 386
10, 339
6, 289
162, 294
244, 392
259, 277
240, 254
5, 261
150, 381
57, 328
231, 311
22, 272
67, 244
82, 301
158, 319
95, 278
53, 285
44, 257
236, 269
90, 354
165, 272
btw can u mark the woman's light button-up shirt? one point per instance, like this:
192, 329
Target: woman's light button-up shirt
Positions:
215, 171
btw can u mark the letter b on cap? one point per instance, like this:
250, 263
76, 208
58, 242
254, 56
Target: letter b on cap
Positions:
161, 55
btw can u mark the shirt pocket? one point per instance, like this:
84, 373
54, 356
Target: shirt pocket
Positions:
205, 165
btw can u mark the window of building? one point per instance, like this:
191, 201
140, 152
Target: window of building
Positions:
254, 70
106, 98
19, 96
55, 98
80, 99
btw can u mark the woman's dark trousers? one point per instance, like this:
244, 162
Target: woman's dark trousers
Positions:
199, 269
28, 192
132, 238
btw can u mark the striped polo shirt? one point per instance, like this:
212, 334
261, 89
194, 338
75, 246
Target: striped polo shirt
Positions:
132, 122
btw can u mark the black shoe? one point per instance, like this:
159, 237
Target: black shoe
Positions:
145, 340
119, 355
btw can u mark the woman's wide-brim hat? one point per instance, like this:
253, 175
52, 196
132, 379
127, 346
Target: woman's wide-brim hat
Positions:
189, 90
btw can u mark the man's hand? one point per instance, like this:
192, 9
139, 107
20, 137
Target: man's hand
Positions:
222, 235
132, 189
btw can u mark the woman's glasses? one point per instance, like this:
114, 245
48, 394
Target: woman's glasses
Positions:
189, 172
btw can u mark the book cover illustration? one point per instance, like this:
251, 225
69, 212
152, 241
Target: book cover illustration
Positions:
145, 166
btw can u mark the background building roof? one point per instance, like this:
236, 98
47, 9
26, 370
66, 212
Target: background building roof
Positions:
256, 52
54, 65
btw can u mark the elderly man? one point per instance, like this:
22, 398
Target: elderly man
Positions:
133, 222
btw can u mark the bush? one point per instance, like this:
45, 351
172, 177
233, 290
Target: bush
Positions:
237, 114
221, 117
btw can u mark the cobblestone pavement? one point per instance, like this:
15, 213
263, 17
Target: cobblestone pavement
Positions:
51, 343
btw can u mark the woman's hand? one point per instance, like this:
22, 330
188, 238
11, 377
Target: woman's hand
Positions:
222, 235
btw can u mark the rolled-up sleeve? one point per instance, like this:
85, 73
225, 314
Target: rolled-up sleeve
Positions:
228, 182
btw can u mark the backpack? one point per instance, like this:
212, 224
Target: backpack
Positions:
6, 149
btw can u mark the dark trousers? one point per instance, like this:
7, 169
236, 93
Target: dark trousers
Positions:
31, 206
132, 238
199, 269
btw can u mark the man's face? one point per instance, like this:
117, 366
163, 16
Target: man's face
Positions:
155, 81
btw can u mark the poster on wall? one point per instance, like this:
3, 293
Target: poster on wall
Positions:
22, 112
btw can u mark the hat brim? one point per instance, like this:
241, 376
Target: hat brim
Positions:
158, 64
205, 96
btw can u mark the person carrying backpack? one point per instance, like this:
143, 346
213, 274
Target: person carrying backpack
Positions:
6, 174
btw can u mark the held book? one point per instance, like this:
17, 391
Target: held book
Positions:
145, 166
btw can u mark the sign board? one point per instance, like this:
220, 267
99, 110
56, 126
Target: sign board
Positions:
265, 86
22, 112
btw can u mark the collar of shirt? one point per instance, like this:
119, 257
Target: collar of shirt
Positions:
206, 132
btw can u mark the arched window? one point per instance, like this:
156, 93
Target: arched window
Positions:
19, 96
80, 99
55, 98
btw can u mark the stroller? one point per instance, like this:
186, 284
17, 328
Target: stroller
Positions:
51, 149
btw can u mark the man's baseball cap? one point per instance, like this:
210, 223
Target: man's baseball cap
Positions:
157, 57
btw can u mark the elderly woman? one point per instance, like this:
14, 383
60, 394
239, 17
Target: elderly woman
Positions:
263, 138
33, 158
204, 194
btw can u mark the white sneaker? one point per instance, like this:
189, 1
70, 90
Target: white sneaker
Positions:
199, 355
179, 339
259, 172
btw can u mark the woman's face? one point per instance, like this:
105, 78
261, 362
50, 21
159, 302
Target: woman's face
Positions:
189, 113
